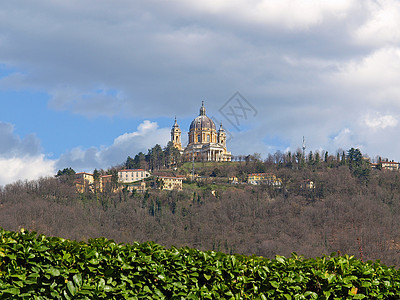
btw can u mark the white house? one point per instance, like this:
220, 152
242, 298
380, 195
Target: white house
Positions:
132, 175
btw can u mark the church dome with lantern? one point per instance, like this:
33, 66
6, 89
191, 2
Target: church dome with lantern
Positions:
205, 142
202, 129
202, 121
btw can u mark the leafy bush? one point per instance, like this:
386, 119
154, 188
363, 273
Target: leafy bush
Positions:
36, 266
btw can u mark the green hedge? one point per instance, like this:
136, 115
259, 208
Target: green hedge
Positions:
35, 266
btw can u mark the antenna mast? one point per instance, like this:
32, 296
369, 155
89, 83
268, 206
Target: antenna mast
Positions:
304, 146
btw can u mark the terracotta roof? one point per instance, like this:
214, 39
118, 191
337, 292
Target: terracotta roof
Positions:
84, 173
171, 177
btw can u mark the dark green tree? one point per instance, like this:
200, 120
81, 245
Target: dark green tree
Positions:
140, 161
317, 159
155, 157
66, 171
96, 179
130, 163
67, 175
359, 166
310, 159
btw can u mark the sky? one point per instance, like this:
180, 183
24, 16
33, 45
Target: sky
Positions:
84, 84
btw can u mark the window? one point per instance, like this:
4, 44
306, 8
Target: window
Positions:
199, 138
208, 138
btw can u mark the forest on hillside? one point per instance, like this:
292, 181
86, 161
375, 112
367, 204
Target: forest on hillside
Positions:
352, 209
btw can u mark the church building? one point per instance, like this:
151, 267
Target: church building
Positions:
205, 142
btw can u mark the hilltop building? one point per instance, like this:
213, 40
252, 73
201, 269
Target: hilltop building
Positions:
132, 175
170, 183
264, 178
205, 142
386, 165
85, 182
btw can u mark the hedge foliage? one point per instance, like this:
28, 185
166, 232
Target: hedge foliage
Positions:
38, 267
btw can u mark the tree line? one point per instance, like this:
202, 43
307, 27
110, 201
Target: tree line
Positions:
156, 158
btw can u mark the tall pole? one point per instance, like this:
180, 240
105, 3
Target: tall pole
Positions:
304, 147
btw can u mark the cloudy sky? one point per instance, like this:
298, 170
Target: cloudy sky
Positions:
84, 84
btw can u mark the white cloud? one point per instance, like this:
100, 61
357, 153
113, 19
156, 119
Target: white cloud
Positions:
21, 158
380, 68
346, 139
25, 168
379, 121
382, 26
373, 79
291, 14
129, 144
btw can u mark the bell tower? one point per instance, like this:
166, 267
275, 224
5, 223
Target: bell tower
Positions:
222, 136
176, 136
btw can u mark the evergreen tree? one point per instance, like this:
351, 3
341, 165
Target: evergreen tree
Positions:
130, 163
310, 159
96, 178
140, 161
317, 159
66, 171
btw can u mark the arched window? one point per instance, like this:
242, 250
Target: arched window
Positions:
199, 138
208, 138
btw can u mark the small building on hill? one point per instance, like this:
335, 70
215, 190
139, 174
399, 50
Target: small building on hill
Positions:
390, 165
308, 184
233, 180
264, 178
132, 175
84, 182
106, 183
170, 183
386, 165
137, 186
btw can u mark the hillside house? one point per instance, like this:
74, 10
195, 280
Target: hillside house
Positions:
390, 165
132, 175
264, 178
170, 183
83, 182
386, 165
106, 183
137, 186
308, 185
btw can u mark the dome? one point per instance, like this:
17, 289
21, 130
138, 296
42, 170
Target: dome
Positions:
202, 121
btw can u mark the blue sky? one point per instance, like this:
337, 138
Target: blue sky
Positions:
86, 83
